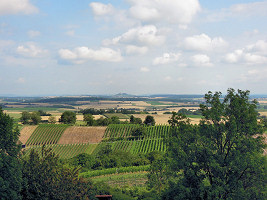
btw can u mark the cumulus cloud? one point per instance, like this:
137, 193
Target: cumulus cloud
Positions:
82, 54
204, 43
8, 7
31, 50
132, 49
201, 60
33, 33
180, 12
166, 58
144, 35
100, 9
251, 54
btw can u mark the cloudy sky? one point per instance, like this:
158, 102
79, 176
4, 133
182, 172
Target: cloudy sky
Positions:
57, 47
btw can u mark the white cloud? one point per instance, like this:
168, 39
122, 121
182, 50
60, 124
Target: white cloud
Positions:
166, 58
239, 10
100, 9
204, 43
132, 49
8, 7
201, 60
33, 33
249, 9
259, 47
144, 69
181, 12
82, 54
167, 78
251, 54
31, 50
147, 35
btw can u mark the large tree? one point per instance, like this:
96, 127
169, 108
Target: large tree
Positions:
10, 170
68, 117
222, 157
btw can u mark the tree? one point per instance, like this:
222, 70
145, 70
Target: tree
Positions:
10, 169
89, 119
36, 118
139, 132
221, 158
68, 117
149, 120
25, 117
135, 120
45, 178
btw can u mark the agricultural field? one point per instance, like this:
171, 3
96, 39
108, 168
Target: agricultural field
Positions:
64, 151
46, 134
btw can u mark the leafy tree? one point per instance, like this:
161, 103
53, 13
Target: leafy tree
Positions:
68, 117
135, 120
149, 120
36, 118
52, 119
139, 132
45, 178
10, 169
25, 117
115, 120
89, 119
221, 158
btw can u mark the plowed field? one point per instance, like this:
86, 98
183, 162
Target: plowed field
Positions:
79, 135
26, 132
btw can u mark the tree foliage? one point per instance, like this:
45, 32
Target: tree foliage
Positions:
149, 120
45, 178
221, 158
10, 171
68, 117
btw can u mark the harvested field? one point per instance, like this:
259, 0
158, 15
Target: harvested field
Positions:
80, 135
26, 132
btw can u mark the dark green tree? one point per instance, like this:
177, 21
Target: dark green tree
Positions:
149, 120
139, 132
10, 168
89, 119
135, 120
68, 117
36, 118
222, 157
25, 117
45, 178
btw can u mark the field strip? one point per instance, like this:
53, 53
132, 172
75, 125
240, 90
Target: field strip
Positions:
26, 133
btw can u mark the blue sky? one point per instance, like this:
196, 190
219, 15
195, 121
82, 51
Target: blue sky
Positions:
68, 47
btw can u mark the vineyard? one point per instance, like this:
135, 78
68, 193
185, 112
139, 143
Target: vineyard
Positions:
46, 134
119, 136
64, 151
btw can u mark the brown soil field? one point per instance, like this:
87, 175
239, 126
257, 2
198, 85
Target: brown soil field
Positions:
79, 135
25, 133
263, 113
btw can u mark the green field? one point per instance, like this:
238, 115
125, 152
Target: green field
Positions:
64, 151
46, 134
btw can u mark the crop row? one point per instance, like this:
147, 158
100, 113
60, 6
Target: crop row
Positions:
102, 172
125, 130
46, 134
139, 146
119, 130
64, 151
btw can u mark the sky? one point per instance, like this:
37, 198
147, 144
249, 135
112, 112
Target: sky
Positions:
83, 47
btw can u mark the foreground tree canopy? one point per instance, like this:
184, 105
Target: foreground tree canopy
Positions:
222, 157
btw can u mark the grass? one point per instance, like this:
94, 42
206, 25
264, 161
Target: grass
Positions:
194, 116
30, 109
